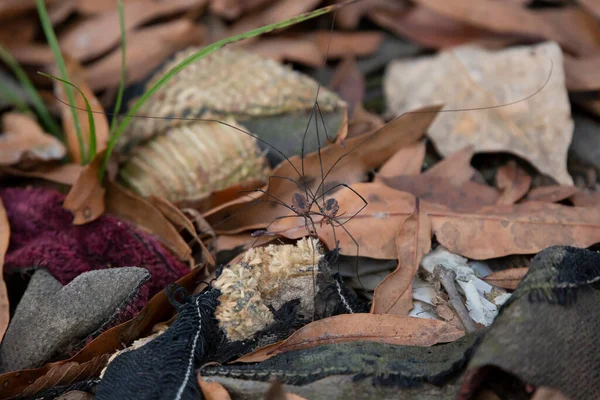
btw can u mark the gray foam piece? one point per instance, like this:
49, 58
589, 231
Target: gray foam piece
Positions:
50, 316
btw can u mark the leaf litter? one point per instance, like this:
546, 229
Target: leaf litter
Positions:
408, 208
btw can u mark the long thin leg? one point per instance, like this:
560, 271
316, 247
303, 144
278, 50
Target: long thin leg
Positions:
264, 232
357, 254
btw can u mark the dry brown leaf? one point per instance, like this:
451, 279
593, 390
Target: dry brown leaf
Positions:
349, 82
94, 6
298, 50
66, 174
220, 197
352, 163
456, 168
513, 181
416, 25
592, 5
508, 278
212, 390
349, 17
380, 328
18, 31
33, 54
25, 143
346, 44
394, 294
232, 9
61, 10
158, 309
582, 73
538, 129
407, 161
126, 205
11, 8
95, 36
277, 392
146, 49
77, 78
585, 198
552, 194
86, 197
4, 240
569, 26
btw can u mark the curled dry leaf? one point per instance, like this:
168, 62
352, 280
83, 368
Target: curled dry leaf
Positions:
86, 197
158, 309
212, 390
380, 328
538, 129
25, 144
514, 183
394, 294
407, 161
506, 279
359, 155
146, 49
569, 26
552, 194
4, 240
78, 78
100, 33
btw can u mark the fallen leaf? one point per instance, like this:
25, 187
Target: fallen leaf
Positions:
220, 197
86, 197
4, 240
212, 390
349, 82
380, 328
77, 78
394, 294
513, 181
25, 144
277, 392
456, 168
61, 10
90, 7
552, 194
506, 279
66, 174
349, 17
96, 35
298, 50
569, 26
582, 73
33, 54
585, 198
146, 49
407, 161
18, 31
348, 164
232, 9
538, 129
126, 205
592, 6
158, 309
346, 44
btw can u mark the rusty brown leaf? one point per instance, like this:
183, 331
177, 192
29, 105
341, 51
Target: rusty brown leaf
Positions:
407, 161
78, 78
552, 194
24, 144
4, 240
582, 73
394, 294
146, 49
86, 197
570, 26
380, 328
467, 77
348, 164
508, 278
280, 49
212, 390
346, 44
95, 36
456, 168
513, 181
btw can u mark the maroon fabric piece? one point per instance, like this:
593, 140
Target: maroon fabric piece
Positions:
42, 235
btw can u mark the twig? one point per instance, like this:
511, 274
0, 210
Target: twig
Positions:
447, 278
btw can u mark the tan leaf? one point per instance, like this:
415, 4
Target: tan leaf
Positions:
582, 73
586, 198
231, 9
407, 161
298, 50
25, 143
507, 279
99, 34
86, 197
569, 26
349, 82
344, 44
394, 294
146, 49
513, 181
4, 240
66, 174
380, 328
538, 129
552, 194
212, 390
349, 17
77, 77
348, 164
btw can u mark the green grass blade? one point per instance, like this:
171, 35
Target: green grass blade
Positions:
37, 101
60, 62
90, 113
198, 55
119, 99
